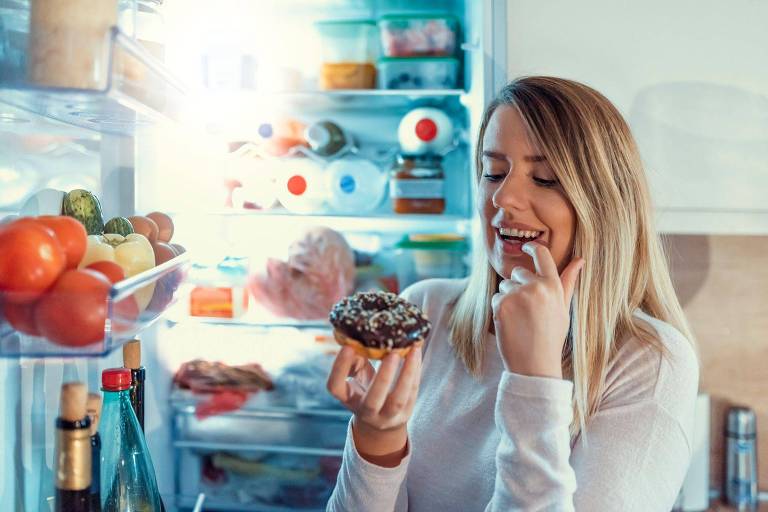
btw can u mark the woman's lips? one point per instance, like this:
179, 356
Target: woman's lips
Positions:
515, 247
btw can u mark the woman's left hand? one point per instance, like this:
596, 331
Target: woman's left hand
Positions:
531, 314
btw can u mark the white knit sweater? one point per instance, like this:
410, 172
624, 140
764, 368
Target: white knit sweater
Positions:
501, 443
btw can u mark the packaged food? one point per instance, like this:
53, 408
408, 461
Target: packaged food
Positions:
355, 185
418, 73
417, 184
430, 256
69, 43
319, 271
418, 35
220, 291
348, 54
425, 130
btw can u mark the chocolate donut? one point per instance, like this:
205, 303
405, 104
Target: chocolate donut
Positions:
377, 323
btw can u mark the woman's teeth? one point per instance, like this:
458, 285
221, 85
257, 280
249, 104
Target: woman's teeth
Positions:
517, 233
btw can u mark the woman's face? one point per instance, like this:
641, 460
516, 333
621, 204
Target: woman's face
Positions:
519, 197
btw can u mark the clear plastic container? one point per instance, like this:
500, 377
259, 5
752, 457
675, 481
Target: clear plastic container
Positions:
418, 73
418, 35
429, 256
349, 51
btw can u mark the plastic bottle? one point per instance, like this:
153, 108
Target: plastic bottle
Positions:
326, 138
127, 475
355, 185
425, 130
301, 186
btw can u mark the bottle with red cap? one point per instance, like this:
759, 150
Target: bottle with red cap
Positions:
127, 475
425, 130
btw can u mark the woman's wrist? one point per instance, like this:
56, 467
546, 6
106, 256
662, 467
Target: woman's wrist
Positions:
385, 448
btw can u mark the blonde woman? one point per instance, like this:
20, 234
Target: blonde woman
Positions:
561, 375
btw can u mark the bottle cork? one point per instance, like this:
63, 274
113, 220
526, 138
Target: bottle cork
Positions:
94, 411
132, 355
73, 401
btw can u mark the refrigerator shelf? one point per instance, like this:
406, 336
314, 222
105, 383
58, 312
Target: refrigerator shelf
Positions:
185, 502
262, 405
265, 448
387, 223
156, 287
135, 90
339, 99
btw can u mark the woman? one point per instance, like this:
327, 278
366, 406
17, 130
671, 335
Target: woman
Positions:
560, 375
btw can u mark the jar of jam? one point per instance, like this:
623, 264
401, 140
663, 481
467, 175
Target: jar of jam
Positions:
417, 184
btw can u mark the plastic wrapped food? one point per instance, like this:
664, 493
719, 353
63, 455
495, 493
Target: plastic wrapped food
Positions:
320, 270
418, 35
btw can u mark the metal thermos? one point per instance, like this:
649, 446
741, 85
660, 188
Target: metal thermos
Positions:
741, 459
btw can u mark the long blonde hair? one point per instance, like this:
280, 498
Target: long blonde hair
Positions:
594, 156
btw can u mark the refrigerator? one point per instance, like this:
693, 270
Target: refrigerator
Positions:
178, 106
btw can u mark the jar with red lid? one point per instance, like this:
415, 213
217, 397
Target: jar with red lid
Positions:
417, 184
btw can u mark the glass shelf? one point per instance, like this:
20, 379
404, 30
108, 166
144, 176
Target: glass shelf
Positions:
138, 91
386, 223
340, 99
160, 285
188, 502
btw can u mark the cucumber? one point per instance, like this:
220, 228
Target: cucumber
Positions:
119, 226
86, 208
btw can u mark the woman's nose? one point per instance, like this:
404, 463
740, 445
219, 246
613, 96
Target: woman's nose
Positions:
511, 195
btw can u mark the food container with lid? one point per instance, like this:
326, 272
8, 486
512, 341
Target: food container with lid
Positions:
430, 256
349, 50
418, 73
418, 35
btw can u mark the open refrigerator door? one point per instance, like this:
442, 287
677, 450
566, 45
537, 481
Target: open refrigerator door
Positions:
299, 151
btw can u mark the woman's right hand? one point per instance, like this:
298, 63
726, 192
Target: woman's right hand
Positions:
381, 404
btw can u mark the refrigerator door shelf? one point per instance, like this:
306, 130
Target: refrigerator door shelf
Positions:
130, 89
157, 288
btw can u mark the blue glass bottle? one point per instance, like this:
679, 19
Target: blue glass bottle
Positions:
127, 475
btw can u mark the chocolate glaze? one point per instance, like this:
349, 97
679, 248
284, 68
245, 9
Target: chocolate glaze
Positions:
380, 320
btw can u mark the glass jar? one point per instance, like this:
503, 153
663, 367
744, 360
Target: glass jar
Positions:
417, 184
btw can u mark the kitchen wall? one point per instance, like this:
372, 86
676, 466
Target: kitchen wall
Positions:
722, 282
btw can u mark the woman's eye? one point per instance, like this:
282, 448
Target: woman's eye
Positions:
493, 177
545, 183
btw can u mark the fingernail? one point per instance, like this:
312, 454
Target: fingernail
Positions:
528, 248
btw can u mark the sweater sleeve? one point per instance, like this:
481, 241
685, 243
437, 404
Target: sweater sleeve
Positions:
361, 485
633, 457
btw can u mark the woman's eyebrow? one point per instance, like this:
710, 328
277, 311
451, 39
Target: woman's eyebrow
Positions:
501, 156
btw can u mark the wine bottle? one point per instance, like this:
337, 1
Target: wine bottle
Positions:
94, 413
127, 475
132, 361
73, 451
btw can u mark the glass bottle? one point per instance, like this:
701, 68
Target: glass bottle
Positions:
127, 475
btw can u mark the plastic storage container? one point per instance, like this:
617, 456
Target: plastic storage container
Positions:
418, 73
428, 256
349, 51
416, 35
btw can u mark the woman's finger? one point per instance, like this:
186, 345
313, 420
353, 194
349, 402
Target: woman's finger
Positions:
343, 367
569, 277
382, 382
411, 372
522, 275
507, 286
542, 259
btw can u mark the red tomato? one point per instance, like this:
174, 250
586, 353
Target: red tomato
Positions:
70, 233
125, 314
73, 312
31, 259
21, 317
109, 269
